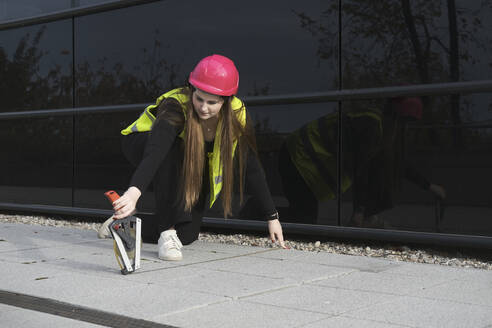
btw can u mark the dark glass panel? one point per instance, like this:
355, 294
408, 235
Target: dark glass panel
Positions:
133, 54
36, 67
276, 128
99, 164
396, 42
430, 174
36, 161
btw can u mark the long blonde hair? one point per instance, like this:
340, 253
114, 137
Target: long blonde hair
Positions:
194, 153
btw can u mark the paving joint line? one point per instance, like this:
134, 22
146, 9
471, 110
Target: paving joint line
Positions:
335, 275
192, 308
265, 291
290, 308
201, 262
379, 321
299, 284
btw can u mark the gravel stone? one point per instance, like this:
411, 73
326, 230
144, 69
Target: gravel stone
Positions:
392, 252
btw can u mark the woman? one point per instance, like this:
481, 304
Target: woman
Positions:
189, 145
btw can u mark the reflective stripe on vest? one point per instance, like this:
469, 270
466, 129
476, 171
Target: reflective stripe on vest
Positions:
145, 121
214, 158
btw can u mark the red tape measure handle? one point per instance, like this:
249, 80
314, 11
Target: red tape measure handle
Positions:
111, 195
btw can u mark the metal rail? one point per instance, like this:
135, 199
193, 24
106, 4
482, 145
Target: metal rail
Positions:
70, 13
436, 89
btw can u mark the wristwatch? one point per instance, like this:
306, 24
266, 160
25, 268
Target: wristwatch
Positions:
273, 216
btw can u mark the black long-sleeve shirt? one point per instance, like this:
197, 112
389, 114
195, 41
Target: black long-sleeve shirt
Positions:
161, 138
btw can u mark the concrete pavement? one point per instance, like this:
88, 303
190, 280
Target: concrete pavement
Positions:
61, 277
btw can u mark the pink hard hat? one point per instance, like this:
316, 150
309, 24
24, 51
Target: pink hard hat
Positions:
409, 106
215, 74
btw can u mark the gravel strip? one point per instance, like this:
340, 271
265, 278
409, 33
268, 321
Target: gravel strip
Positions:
397, 253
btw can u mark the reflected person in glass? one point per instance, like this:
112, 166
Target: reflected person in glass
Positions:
373, 162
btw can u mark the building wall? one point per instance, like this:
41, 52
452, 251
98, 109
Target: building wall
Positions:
132, 55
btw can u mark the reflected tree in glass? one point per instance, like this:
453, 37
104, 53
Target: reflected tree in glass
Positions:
396, 42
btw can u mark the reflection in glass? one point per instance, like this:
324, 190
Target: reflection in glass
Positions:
375, 159
280, 131
36, 67
308, 165
394, 42
36, 161
119, 62
99, 162
36, 70
420, 178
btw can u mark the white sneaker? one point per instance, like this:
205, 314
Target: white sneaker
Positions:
169, 246
103, 231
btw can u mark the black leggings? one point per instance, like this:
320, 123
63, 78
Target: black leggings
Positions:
169, 210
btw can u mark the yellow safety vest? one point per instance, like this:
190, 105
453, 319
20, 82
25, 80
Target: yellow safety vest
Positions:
146, 120
315, 162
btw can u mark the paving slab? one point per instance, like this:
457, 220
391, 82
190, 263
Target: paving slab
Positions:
222, 285
227, 284
148, 301
327, 300
16, 277
422, 312
276, 268
240, 314
470, 292
345, 322
43, 236
14, 317
383, 282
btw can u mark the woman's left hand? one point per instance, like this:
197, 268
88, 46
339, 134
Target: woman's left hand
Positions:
275, 229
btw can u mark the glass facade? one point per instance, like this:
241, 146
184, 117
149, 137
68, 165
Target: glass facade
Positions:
36, 66
36, 153
430, 166
122, 63
407, 163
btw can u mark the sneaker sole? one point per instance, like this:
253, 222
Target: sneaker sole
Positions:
170, 258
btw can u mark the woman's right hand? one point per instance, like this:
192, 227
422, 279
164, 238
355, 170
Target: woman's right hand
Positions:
126, 204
